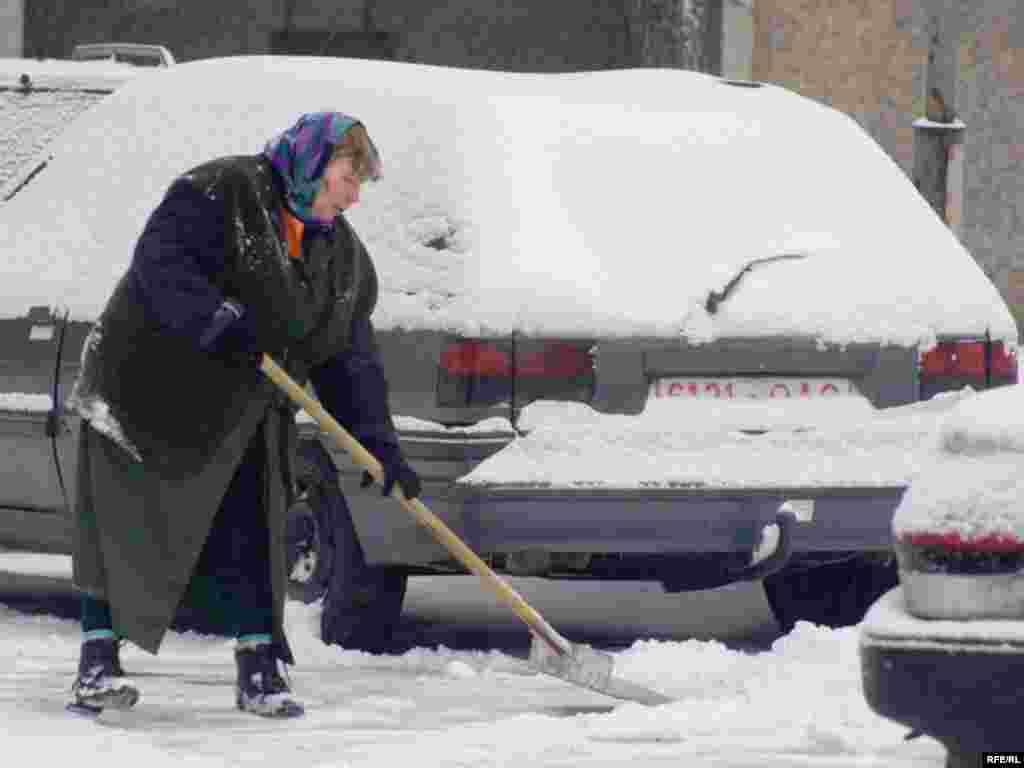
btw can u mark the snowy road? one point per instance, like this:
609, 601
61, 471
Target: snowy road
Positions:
796, 702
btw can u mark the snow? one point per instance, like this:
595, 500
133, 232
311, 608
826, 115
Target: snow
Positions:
889, 623
83, 74
25, 403
797, 703
602, 203
838, 441
973, 482
924, 122
29, 122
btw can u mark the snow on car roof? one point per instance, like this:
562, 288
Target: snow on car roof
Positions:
602, 203
61, 72
30, 117
974, 484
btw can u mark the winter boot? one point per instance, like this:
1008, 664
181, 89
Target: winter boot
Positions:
118, 670
261, 689
97, 687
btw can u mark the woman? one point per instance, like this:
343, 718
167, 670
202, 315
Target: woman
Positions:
184, 464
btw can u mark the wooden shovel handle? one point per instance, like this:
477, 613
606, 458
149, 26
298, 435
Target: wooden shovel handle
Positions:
444, 535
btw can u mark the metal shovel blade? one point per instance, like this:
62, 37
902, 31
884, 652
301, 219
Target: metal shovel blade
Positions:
583, 666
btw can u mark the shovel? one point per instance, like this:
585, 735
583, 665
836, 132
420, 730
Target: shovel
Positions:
550, 653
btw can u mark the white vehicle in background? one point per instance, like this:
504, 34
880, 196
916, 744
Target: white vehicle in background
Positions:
609, 301
136, 54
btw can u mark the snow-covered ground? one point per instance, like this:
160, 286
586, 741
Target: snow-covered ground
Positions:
798, 703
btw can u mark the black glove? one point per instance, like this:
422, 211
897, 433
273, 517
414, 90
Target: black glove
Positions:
396, 469
231, 337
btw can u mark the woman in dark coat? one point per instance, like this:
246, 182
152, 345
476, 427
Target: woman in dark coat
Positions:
185, 450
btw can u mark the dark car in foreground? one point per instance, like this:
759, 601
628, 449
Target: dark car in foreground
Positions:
632, 242
944, 652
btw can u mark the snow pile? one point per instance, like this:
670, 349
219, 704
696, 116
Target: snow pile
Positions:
889, 621
602, 203
974, 483
840, 441
803, 698
986, 425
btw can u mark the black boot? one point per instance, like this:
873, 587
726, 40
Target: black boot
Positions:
96, 686
261, 689
118, 669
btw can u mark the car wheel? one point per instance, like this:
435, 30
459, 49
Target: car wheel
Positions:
832, 595
308, 553
309, 543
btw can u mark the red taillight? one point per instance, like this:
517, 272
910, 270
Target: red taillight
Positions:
555, 359
558, 359
955, 358
514, 371
475, 358
971, 359
954, 542
1004, 361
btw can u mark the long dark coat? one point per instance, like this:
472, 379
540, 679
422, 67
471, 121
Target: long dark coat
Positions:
166, 425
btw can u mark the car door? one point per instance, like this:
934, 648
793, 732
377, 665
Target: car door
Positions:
36, 439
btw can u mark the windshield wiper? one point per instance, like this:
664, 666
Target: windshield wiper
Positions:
717, 297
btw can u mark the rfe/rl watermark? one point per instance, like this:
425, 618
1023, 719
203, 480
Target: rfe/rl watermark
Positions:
1002, 758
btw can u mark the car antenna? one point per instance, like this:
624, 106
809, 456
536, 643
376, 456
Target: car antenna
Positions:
717, 297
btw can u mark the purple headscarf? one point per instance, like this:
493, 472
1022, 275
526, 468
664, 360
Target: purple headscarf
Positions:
300, 155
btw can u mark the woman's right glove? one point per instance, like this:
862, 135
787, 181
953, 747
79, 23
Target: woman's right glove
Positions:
396, 469
231, 337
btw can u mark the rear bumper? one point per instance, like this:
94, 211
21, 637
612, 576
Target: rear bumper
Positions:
666, 521
961, 682
631, 521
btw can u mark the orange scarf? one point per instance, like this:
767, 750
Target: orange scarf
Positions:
293, 228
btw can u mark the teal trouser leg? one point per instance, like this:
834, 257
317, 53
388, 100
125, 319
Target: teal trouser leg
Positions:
96, 618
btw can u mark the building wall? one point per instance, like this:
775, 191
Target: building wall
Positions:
869, 58
528, 35
991, 103
864, 57
12, 17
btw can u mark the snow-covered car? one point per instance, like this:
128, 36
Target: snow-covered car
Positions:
944, 652
38, 99
615, 310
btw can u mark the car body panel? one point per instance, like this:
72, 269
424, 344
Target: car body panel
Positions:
960, 682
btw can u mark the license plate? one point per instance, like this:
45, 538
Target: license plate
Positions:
724, 388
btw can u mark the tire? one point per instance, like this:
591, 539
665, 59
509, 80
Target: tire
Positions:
833, 595
309, 546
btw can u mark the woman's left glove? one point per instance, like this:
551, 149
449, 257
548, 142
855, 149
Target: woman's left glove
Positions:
396, 469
